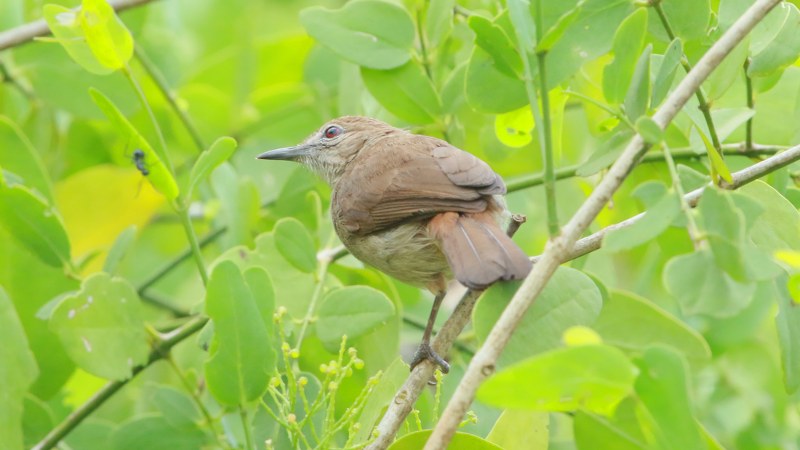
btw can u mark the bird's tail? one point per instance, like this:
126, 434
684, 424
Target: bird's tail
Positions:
478, 251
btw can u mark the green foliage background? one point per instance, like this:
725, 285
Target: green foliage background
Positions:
681, 332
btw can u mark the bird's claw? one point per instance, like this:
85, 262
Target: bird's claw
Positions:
426, 352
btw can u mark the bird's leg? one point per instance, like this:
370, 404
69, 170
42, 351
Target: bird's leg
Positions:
425, 351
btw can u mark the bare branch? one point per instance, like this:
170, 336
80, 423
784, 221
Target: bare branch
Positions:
25, 33
483, 364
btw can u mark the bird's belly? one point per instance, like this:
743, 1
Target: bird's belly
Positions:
405, 252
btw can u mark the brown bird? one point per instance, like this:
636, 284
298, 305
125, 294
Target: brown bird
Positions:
412, 206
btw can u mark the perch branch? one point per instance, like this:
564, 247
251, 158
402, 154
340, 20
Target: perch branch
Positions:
483, 364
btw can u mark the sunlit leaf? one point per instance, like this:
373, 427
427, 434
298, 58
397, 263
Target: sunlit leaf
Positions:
783, 49
157, 173
515, 128
93, 36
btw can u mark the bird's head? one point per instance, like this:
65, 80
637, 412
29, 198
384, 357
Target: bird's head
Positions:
330, 149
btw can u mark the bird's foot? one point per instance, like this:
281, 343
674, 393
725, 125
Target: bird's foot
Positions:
426, 352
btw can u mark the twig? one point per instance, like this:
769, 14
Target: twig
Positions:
537, 179
25, 33
160, 351
171, 98
748, 83
483, 364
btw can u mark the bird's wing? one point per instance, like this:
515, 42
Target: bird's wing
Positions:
402, 185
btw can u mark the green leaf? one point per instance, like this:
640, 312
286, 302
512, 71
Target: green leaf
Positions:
628, 43
781, 51
726, 73
649, 130
632, 323
492, 39
239, 204
521, 20
351, 311
521, 429
608, 152
220, 151
404, 91
637, 99
118, 250
155, 432
34, 224
390, 382
778, 227
557, 30
241, 358
101, 327
370, 33
688, 19
460, 441
666, 71
702, 288
20, 157
589, 36
17, 371
622, 432
724, 225
570, 298
295, 244
93, 36
718, 167
654, 222
663, 388
488, 89
438, 21
159, 176
788, 323
590, 377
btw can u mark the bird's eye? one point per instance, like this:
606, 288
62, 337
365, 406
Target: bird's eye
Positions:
332, 131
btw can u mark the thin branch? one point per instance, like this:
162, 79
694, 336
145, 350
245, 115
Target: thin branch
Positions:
160, 351
25, 33
483, 364
748, 83
171, 98
594, 241
537, 179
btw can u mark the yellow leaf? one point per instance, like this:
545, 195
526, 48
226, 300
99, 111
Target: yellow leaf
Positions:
578, 335
98, 203
514, 128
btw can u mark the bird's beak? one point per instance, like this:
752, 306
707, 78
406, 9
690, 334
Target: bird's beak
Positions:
287, 153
